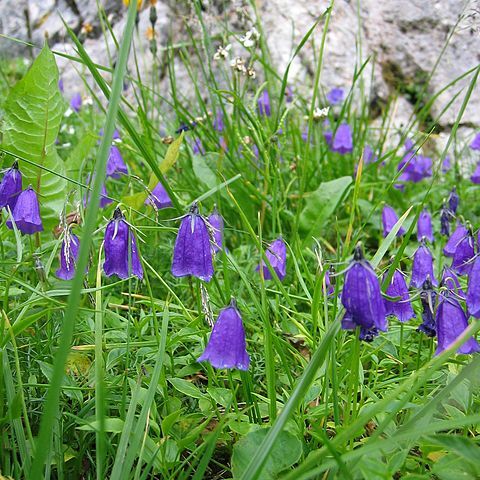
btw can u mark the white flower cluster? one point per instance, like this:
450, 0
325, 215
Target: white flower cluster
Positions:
250, 38
222, 52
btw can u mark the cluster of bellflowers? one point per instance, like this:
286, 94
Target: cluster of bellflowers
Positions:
446, 308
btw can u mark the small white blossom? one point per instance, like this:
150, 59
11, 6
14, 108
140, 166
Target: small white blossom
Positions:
251, 72
238, 64
222, 52
250, 38
319, 113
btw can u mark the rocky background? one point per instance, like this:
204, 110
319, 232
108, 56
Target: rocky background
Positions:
403, 38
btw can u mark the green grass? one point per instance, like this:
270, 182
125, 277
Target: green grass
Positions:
99, 377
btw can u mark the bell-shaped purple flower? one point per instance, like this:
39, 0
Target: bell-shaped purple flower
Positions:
116, 166
450, 280
422, 267
197, 147
362, 298
26, 213
473, 291
277, 256
335, 96
328, 283
424, 226
226, 347
475, 178
464, 253
159, 197
401, 307
447, 164
451, 322
10, 187
218, 121
475, 145
453, 200
428, 298
389, 219
368, 155
445, 218
343, 140
215, 221
192, 254
263, 104
121, 253
456, 237
68, 256
76, 102
104, 198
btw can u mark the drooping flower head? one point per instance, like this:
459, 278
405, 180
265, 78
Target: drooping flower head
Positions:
464, 253
76, 102
335, 95
10, 186
453, 200
263, 104
401, 307
342, 142
121, 253
362, 298
422, 267
446, 217
215, 221
277, 256
226, 347
116, 166
26, 213
159, 197
451, 322
475, 178
459, 233
68, 256
428, 298
475, 145
104, 198
473, 291
368, 155
414, 167
389, 219
192, 254
424, 226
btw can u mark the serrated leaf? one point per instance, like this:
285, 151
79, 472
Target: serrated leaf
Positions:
33, 112
167, 163
320, 204
286, 452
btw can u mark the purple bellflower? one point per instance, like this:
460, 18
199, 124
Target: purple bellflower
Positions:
226, 347
121, 253
197, 147
68, 256
342, 142
192, 254
76, 102
451, 321
475, 145
335, 96
277, 256
475, 178
10, 187
116, 166
446, 216
428, 298
215, 221
464, 253
389, 219
450, 280
422, 267
26, 213
328, 283
452, 243
447, 164
159, 197
104, 198
368, 155
362, 299
453, 200
218, 121
424, 226
401, 307
263, 104
473, 291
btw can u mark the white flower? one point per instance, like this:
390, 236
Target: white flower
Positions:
319, 113
250, 38
238, 64
222, 52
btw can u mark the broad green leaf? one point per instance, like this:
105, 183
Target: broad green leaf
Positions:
33, 112
112, 425
285, 452
186, 387
203, 171
170, 158
320, 204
